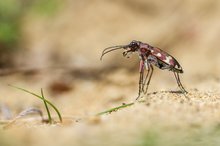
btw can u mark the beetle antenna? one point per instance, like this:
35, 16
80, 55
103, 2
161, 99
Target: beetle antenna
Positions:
109, 49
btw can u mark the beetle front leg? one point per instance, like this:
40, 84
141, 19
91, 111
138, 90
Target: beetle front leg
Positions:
141, 70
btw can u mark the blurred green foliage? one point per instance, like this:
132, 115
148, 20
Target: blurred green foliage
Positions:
190, 136
11, 13
48, 7
150, 138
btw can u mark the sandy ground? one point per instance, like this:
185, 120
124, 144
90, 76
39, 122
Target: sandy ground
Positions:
64, 52
164, 118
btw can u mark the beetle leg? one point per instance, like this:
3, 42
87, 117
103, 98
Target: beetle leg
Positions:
179, 82
145, 79
141, 70
148, 82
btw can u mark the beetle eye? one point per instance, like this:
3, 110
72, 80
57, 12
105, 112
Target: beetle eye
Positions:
134, 45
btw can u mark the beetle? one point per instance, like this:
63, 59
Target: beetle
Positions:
149, 56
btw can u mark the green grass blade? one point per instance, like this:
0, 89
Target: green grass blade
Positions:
115, 109
57, 111
45, 103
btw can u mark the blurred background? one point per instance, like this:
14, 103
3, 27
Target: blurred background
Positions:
73, 33
56, 45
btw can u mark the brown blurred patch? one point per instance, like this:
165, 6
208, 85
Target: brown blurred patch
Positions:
59, 87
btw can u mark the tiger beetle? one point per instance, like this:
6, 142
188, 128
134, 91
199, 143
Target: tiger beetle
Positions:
149, 56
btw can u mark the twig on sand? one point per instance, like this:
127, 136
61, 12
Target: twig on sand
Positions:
23, 114
114, 109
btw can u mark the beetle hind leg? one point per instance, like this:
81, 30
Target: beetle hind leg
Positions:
179, 82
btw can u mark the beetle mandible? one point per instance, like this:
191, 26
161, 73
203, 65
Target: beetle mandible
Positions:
149, 56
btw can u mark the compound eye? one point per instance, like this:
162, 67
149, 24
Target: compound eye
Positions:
135, 45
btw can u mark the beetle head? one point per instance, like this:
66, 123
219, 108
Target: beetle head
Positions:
132, 47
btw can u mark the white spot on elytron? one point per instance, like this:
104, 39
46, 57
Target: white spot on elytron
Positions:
168, 58
159, 55
178, 67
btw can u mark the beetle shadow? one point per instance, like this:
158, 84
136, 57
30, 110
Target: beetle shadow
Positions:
176, 92
171, 91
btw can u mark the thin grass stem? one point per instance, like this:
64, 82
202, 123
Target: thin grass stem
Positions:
45, 103
38, 96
